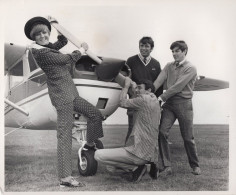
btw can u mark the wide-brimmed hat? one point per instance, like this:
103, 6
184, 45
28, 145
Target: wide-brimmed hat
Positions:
34, 21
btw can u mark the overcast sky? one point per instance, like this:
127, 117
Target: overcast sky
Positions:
113, 29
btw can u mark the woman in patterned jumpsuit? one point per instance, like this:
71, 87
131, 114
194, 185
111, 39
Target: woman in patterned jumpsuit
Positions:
63, 94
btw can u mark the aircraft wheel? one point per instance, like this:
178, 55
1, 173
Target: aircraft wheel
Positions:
89, 164
99, 144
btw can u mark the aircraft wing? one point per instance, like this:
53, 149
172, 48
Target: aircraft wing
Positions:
208, 84
12, 54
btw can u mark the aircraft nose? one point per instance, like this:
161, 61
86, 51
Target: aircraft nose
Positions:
109, 68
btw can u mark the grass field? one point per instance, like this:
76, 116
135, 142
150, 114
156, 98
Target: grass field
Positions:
30, 163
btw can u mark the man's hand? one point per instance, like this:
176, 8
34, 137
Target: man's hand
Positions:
133, 85
85, 46
161, 101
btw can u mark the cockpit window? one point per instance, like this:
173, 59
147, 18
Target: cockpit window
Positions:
86, 64
85, 69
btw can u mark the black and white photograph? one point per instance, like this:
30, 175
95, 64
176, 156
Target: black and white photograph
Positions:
117, 96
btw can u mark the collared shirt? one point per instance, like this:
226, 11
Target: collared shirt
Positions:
178, 80
182, 62
146, 126
148, 59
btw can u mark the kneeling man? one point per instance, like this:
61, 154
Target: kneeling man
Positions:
144, 148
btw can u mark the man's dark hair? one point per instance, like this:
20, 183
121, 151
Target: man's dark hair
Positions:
146, 40
148, 84
181, 45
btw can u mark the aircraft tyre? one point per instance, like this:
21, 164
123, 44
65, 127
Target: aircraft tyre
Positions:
89, 166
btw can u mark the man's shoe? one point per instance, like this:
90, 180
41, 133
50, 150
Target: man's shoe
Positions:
139, 173
167, 171
196, 171
70, 182
154, 172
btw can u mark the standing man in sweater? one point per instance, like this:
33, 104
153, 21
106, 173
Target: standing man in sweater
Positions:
179, 77
143, 67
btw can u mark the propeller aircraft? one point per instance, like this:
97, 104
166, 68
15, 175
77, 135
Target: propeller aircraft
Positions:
99, 80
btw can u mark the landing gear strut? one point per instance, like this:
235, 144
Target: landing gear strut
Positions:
87, 165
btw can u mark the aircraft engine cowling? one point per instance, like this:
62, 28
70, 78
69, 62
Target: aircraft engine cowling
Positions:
109, 69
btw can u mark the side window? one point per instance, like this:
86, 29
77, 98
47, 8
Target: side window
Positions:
32, 63
16, 74
85, 64
37, 84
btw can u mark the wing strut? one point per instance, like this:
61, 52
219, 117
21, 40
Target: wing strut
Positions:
16, 107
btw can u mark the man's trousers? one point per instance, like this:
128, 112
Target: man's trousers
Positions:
184, 113
119, 158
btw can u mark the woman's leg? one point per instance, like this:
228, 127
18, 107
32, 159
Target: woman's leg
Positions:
94, 118
64, 139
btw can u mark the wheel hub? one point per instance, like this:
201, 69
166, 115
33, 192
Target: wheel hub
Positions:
84, 163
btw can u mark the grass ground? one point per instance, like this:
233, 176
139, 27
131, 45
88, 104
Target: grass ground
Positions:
30, 163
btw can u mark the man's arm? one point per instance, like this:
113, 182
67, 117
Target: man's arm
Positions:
160, 79
129, 103
124, 92
183, 80
159, 91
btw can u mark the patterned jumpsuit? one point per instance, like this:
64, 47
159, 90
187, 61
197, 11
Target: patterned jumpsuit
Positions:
64, 96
